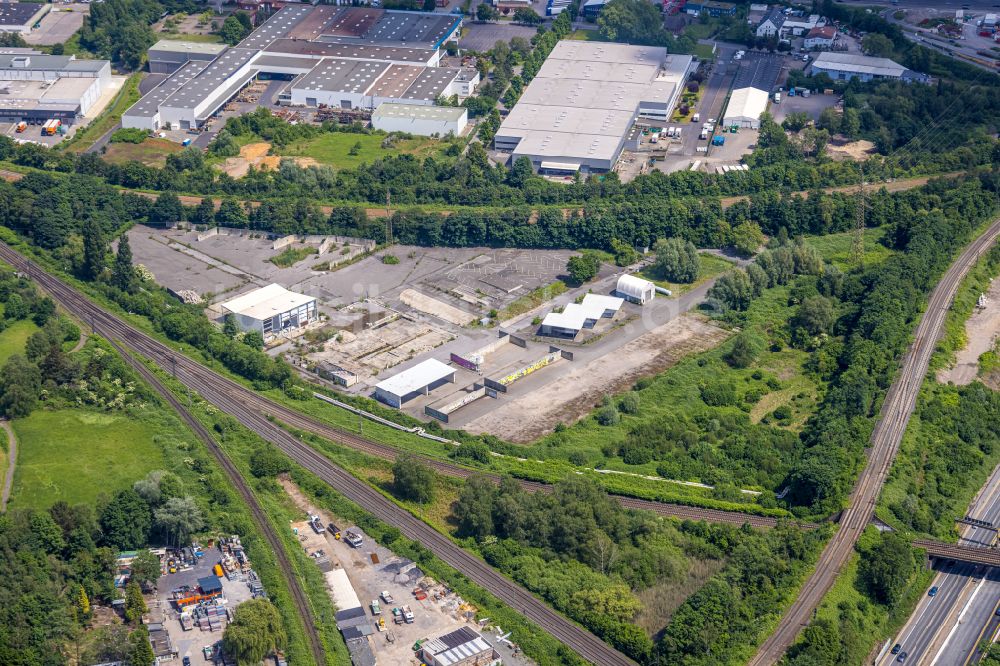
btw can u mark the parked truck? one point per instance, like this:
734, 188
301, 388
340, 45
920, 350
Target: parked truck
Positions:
354, 539
777, 98
316, 523
21, 126
718, 140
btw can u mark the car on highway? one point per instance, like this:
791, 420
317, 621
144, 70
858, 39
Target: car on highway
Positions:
997, 612
932, 592
901, 658
896, 648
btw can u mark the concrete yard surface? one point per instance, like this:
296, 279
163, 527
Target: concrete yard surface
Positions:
530, 416
372, 570
981, 331
58, 25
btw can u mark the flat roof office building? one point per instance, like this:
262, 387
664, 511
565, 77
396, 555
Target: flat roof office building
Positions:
577, 111
35, 86
421, 120
168, 55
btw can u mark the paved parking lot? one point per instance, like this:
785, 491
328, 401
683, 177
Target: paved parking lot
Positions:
482, 36
812, 105
58, 25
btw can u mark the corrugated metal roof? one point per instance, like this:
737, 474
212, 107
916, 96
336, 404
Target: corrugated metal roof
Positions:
416, 378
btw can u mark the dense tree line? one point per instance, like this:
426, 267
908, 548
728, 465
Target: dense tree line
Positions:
588, 556
119, 30
880, 305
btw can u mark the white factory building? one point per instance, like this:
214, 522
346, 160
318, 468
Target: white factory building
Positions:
577, 111
421, 120
577, 316
341, 57
635, 290
745, 108
413, 382
847, 66
36, 87
271, 310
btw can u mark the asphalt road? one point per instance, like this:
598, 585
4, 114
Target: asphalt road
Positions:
945, 630
899, 403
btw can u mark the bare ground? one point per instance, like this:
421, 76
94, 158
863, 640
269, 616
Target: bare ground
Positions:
528, 417
981, 330
256, 155
854, 150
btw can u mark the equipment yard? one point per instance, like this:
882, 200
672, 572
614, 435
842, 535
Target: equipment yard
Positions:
385, 581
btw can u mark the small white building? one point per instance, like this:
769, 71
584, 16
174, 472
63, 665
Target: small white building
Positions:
745, 108
577, 316
419, 380
821, 38
635, 290
420, 119
271, 310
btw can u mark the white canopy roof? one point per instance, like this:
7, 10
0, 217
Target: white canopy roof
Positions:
266, 302
415, 378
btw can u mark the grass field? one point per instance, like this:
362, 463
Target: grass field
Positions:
127, 96
13, 338
704, 51
75, 455
151, 152
334, 148
836, 248
709, 266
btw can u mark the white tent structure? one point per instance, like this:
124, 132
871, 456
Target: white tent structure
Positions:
745, 108
635, 290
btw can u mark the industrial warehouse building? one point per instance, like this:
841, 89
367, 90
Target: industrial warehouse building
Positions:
21, 17
419, 380
420, 120
745, 108
462, 647
635, 290
36, 87
271, 310
578, 110
847, 66
340, 57
168, 55
577, 316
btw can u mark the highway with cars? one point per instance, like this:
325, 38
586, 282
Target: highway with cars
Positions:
897, 407
945, 629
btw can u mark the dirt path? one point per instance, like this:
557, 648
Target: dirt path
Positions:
80, 343
895, 186
11, 462
981, 331
533, 415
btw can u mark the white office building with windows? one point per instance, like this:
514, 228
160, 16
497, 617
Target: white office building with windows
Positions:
271, 310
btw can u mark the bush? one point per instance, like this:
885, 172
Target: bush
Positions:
629, 404
390, 259
608, 415
719, 394
129, 135
476, 450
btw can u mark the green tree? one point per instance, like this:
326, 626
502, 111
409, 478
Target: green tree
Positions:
20, 387
167, 209
135, 604
885, 568
255, 632
486, 12
815, 315
584, 268
204, 213
145, 569
676, 260
232, 31
746, 348
81, 602
141, 652
95, 250
123, 273
231, 214
747, 238
520, 172
126, 521
633, 22
411, 480
179, 518
267, 461
877, 45
732, 290
527, 16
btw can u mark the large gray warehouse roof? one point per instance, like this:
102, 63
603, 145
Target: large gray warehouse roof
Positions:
849, 62
351, 51
336, 75
149, 105
18, 13
210, 80
175, 49
276, 27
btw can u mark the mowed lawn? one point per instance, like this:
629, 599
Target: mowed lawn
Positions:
74, 455
12, 339
333, 148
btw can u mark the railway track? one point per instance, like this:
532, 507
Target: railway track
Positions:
234, 399
236, 478
888, 433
